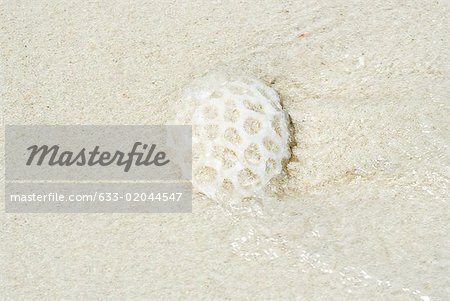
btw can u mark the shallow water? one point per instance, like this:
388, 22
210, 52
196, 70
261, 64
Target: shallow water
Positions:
358, 248
364, 214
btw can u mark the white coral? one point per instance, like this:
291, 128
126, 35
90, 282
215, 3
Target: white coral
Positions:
240, 135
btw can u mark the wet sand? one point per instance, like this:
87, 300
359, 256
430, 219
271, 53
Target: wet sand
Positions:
365, 210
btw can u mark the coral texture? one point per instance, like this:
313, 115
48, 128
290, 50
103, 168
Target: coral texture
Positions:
240, 135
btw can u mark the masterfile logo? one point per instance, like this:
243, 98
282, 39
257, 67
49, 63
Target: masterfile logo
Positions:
79, 152
54, 156
98, 168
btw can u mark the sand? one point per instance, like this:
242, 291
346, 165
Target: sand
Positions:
365, 211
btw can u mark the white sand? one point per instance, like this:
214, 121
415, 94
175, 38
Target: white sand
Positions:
365, 215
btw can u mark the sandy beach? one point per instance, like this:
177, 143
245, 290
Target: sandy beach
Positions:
364, 214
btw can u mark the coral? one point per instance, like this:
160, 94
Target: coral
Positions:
241, 135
